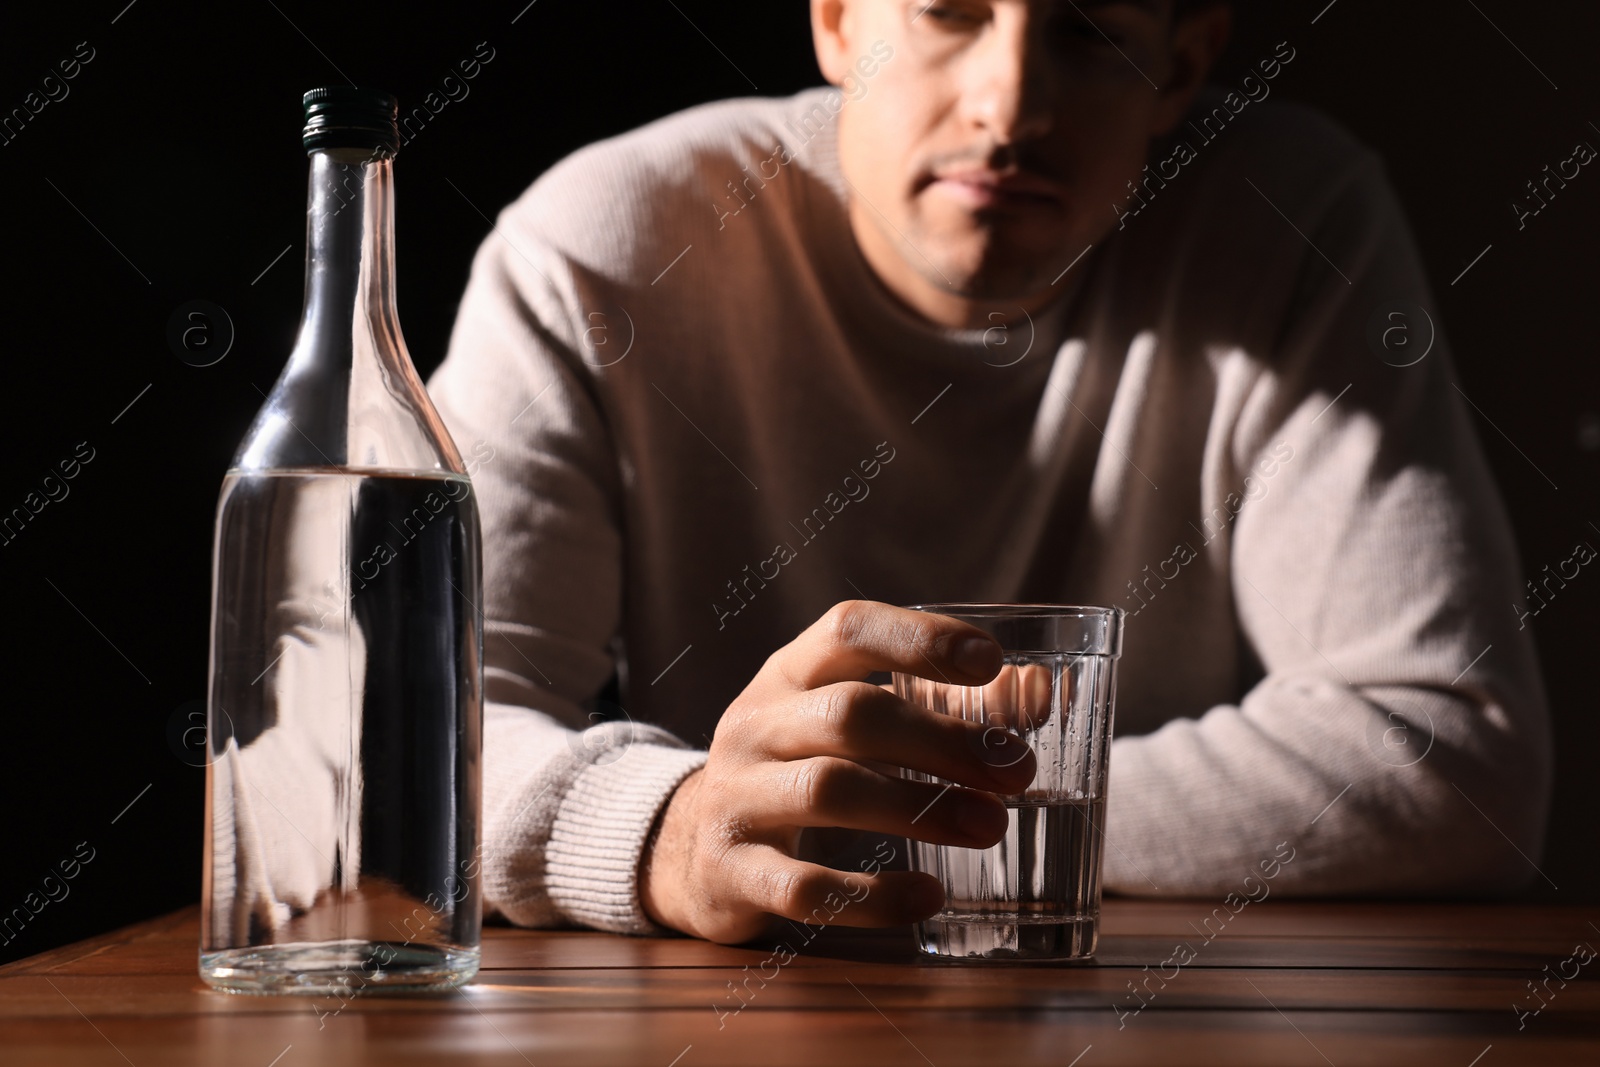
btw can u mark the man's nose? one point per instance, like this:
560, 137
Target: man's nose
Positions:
1007, 88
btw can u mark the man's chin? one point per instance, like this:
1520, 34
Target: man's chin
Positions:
999, 281
989, 268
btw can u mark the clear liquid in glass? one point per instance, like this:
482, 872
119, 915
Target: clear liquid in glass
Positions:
1034, 894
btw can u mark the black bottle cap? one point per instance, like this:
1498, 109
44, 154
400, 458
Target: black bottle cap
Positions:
342, 116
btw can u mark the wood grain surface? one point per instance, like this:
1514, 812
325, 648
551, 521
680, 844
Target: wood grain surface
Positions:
1283, 982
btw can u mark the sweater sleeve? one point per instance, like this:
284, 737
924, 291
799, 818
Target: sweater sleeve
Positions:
1396, 737
566, 810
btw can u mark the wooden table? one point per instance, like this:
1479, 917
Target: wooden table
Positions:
1281, 983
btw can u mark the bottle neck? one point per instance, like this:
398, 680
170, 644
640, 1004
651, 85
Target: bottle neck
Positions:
349, 250
349, 397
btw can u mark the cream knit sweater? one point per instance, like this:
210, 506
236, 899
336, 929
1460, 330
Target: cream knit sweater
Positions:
695, 428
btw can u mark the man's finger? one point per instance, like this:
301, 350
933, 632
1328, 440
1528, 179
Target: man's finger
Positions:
825, 791
862, 722
821, 896
856, 637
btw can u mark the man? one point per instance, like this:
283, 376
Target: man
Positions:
768, 367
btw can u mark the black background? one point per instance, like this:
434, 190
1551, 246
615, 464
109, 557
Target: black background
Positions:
173, 172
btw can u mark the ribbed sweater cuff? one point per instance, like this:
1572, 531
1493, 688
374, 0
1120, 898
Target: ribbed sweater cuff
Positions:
592, 861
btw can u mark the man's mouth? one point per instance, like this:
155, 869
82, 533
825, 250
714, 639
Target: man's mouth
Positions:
982, 189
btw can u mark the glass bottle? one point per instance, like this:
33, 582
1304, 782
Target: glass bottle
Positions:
345, 711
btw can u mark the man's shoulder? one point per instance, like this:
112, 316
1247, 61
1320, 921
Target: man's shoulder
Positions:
1287, 124
1293, 154
1239, 195
628, 198
1248, 210
670, 151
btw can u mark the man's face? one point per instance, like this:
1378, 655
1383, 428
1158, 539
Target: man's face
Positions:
988, 150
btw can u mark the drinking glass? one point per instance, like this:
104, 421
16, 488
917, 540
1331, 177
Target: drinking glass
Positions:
1035, 895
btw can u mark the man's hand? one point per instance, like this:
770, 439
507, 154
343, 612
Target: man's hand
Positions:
798, 748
